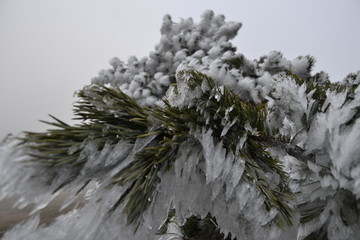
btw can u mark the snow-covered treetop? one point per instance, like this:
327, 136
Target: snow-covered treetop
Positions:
206, 47
148, 78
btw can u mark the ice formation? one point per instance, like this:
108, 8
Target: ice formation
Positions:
312, 128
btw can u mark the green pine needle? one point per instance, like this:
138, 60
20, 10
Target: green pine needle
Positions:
108, 115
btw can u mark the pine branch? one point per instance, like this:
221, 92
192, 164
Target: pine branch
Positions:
109, 115
320, 90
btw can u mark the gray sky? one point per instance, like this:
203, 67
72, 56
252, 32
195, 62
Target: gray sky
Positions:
49, 49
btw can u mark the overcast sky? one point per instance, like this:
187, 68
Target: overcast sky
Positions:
49, 49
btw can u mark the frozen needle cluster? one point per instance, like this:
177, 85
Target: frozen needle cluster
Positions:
196, 141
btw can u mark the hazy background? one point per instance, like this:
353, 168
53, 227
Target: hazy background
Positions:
49, 49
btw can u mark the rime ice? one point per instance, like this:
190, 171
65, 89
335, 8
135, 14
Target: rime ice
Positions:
316, 136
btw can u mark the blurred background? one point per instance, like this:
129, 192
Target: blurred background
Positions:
49, 49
